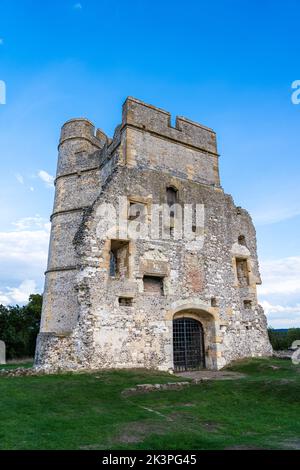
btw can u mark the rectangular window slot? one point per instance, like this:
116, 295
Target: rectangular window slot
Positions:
153, 285
119, 259
125, 301
136, 210
242, 272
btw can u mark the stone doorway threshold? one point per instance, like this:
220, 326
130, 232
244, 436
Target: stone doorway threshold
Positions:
202, 375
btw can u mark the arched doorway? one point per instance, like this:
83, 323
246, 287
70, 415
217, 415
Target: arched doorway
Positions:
188, 344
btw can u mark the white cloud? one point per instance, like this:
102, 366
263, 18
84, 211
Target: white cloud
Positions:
279, 309
23, 254
77, 6
279, 293
18, 295
19, 178
35, 222
46, 178
273, 215
281, 276
293, 322
24, 246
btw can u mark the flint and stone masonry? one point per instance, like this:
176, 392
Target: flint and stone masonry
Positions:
117, 302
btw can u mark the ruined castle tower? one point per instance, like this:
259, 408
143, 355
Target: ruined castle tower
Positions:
150, 263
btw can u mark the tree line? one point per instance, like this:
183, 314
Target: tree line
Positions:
283, 339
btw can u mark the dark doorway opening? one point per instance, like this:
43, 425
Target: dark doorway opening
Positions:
188, 344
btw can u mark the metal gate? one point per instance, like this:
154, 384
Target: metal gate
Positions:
188, 344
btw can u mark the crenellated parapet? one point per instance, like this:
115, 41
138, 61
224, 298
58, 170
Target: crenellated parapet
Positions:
152, 119
82, 128
187, 151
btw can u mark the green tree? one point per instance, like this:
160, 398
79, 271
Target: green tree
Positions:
19, 327
283, 339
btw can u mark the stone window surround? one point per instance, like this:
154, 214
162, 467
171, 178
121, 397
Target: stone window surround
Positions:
251, 277
146, 201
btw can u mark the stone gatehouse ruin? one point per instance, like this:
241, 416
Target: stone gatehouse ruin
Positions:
150, 263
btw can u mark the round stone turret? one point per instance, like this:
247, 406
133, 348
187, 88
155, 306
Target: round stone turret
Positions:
82, 128
76, 186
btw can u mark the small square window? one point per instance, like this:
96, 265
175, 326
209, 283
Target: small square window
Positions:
153, 285
136, 210
125, 301
247, 304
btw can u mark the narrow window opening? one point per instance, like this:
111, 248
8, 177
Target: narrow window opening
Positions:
171, 201
112, 264
242, 240
119, 259
171, 196
242, 272
213, 302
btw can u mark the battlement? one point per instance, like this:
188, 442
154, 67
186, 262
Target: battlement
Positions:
141, 115
187, 151
82, 128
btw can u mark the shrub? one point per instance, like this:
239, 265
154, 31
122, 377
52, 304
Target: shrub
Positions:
19, 327
283, 339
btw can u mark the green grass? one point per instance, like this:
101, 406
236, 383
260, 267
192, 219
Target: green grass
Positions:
87, 411
28, 363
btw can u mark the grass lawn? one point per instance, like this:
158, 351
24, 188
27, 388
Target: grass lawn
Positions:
87, 411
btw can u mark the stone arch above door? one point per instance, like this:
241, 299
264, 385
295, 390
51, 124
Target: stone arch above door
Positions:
209, 319
192, 306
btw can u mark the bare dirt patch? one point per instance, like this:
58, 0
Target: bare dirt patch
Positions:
137, 431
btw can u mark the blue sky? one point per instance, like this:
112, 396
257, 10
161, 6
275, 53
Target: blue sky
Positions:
227, 64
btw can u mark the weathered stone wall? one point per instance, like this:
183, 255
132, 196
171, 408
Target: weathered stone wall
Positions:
84, 325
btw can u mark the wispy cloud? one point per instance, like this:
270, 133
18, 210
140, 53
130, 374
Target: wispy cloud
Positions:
19, 178
279, 309
18, 295
32, 223
279, 293
281, 276
273, 215
24, 246
23, 256
46, 178
77, 6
